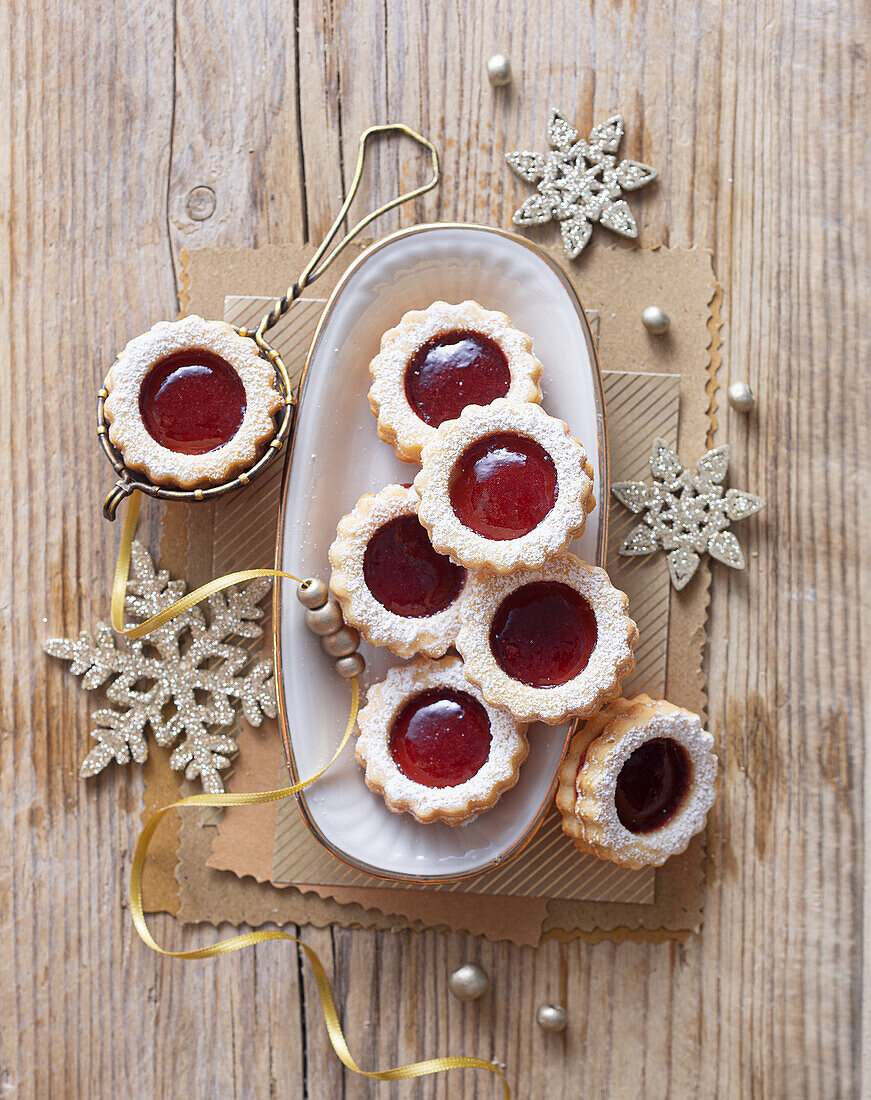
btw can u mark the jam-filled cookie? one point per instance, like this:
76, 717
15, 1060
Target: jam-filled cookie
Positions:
392, 585
437, 361
191, 403
504, 487
637, 782
548, 643
433, 747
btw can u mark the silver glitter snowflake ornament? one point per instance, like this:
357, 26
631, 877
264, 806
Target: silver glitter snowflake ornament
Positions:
182, 680
580, 182
686, 513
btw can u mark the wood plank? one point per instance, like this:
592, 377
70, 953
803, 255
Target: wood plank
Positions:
118, 118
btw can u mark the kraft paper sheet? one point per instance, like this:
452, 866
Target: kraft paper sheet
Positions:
617, 283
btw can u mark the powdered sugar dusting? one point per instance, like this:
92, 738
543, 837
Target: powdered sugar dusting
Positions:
611, 660
586, 796
564, 522
405, 636
142, 452
398, 423
453, 805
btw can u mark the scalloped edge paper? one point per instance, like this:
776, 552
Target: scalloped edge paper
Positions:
206, 276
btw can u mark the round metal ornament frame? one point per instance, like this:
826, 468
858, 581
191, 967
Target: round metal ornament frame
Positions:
130, 481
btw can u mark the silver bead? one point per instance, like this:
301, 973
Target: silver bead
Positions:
469, 982
326, 619
342, 643
655, 320
351, 666
741, 396
312, 593
551, 1017
499, 70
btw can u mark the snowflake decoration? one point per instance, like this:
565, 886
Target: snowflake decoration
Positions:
686, 513
183, 679
580, 182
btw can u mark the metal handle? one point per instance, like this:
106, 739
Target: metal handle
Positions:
319, 262
120, 490
317, 265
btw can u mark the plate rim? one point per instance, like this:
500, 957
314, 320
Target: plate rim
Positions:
538, 817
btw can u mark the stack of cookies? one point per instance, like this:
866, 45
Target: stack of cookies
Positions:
467, 571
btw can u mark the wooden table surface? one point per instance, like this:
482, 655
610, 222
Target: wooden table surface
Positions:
132, 130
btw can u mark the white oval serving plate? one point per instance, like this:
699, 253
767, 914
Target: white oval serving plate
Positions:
337, 456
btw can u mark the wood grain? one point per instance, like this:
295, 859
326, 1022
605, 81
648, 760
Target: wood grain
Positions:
757, 116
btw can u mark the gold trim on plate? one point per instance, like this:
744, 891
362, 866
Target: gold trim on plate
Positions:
603, 488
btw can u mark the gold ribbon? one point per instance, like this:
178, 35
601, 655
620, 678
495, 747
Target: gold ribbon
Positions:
252, 798
122, 572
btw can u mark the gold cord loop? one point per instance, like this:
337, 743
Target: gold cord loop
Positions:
317, 265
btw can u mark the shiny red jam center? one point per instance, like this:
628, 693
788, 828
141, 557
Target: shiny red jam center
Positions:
192, 402
503, 486
405, 574
543, 634
652, 784
441, 738
452, 370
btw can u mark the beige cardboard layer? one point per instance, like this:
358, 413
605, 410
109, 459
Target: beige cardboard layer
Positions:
682, 282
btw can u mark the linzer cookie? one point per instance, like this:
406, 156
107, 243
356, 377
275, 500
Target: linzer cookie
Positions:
191, 403
433, 747
504, 487
437, 361
392, 585
547, 644
637, 782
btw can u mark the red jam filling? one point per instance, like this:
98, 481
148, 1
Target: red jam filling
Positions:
405, 574
452, 370
543, 634
441, 738
192, 402
652, 784
503, 486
